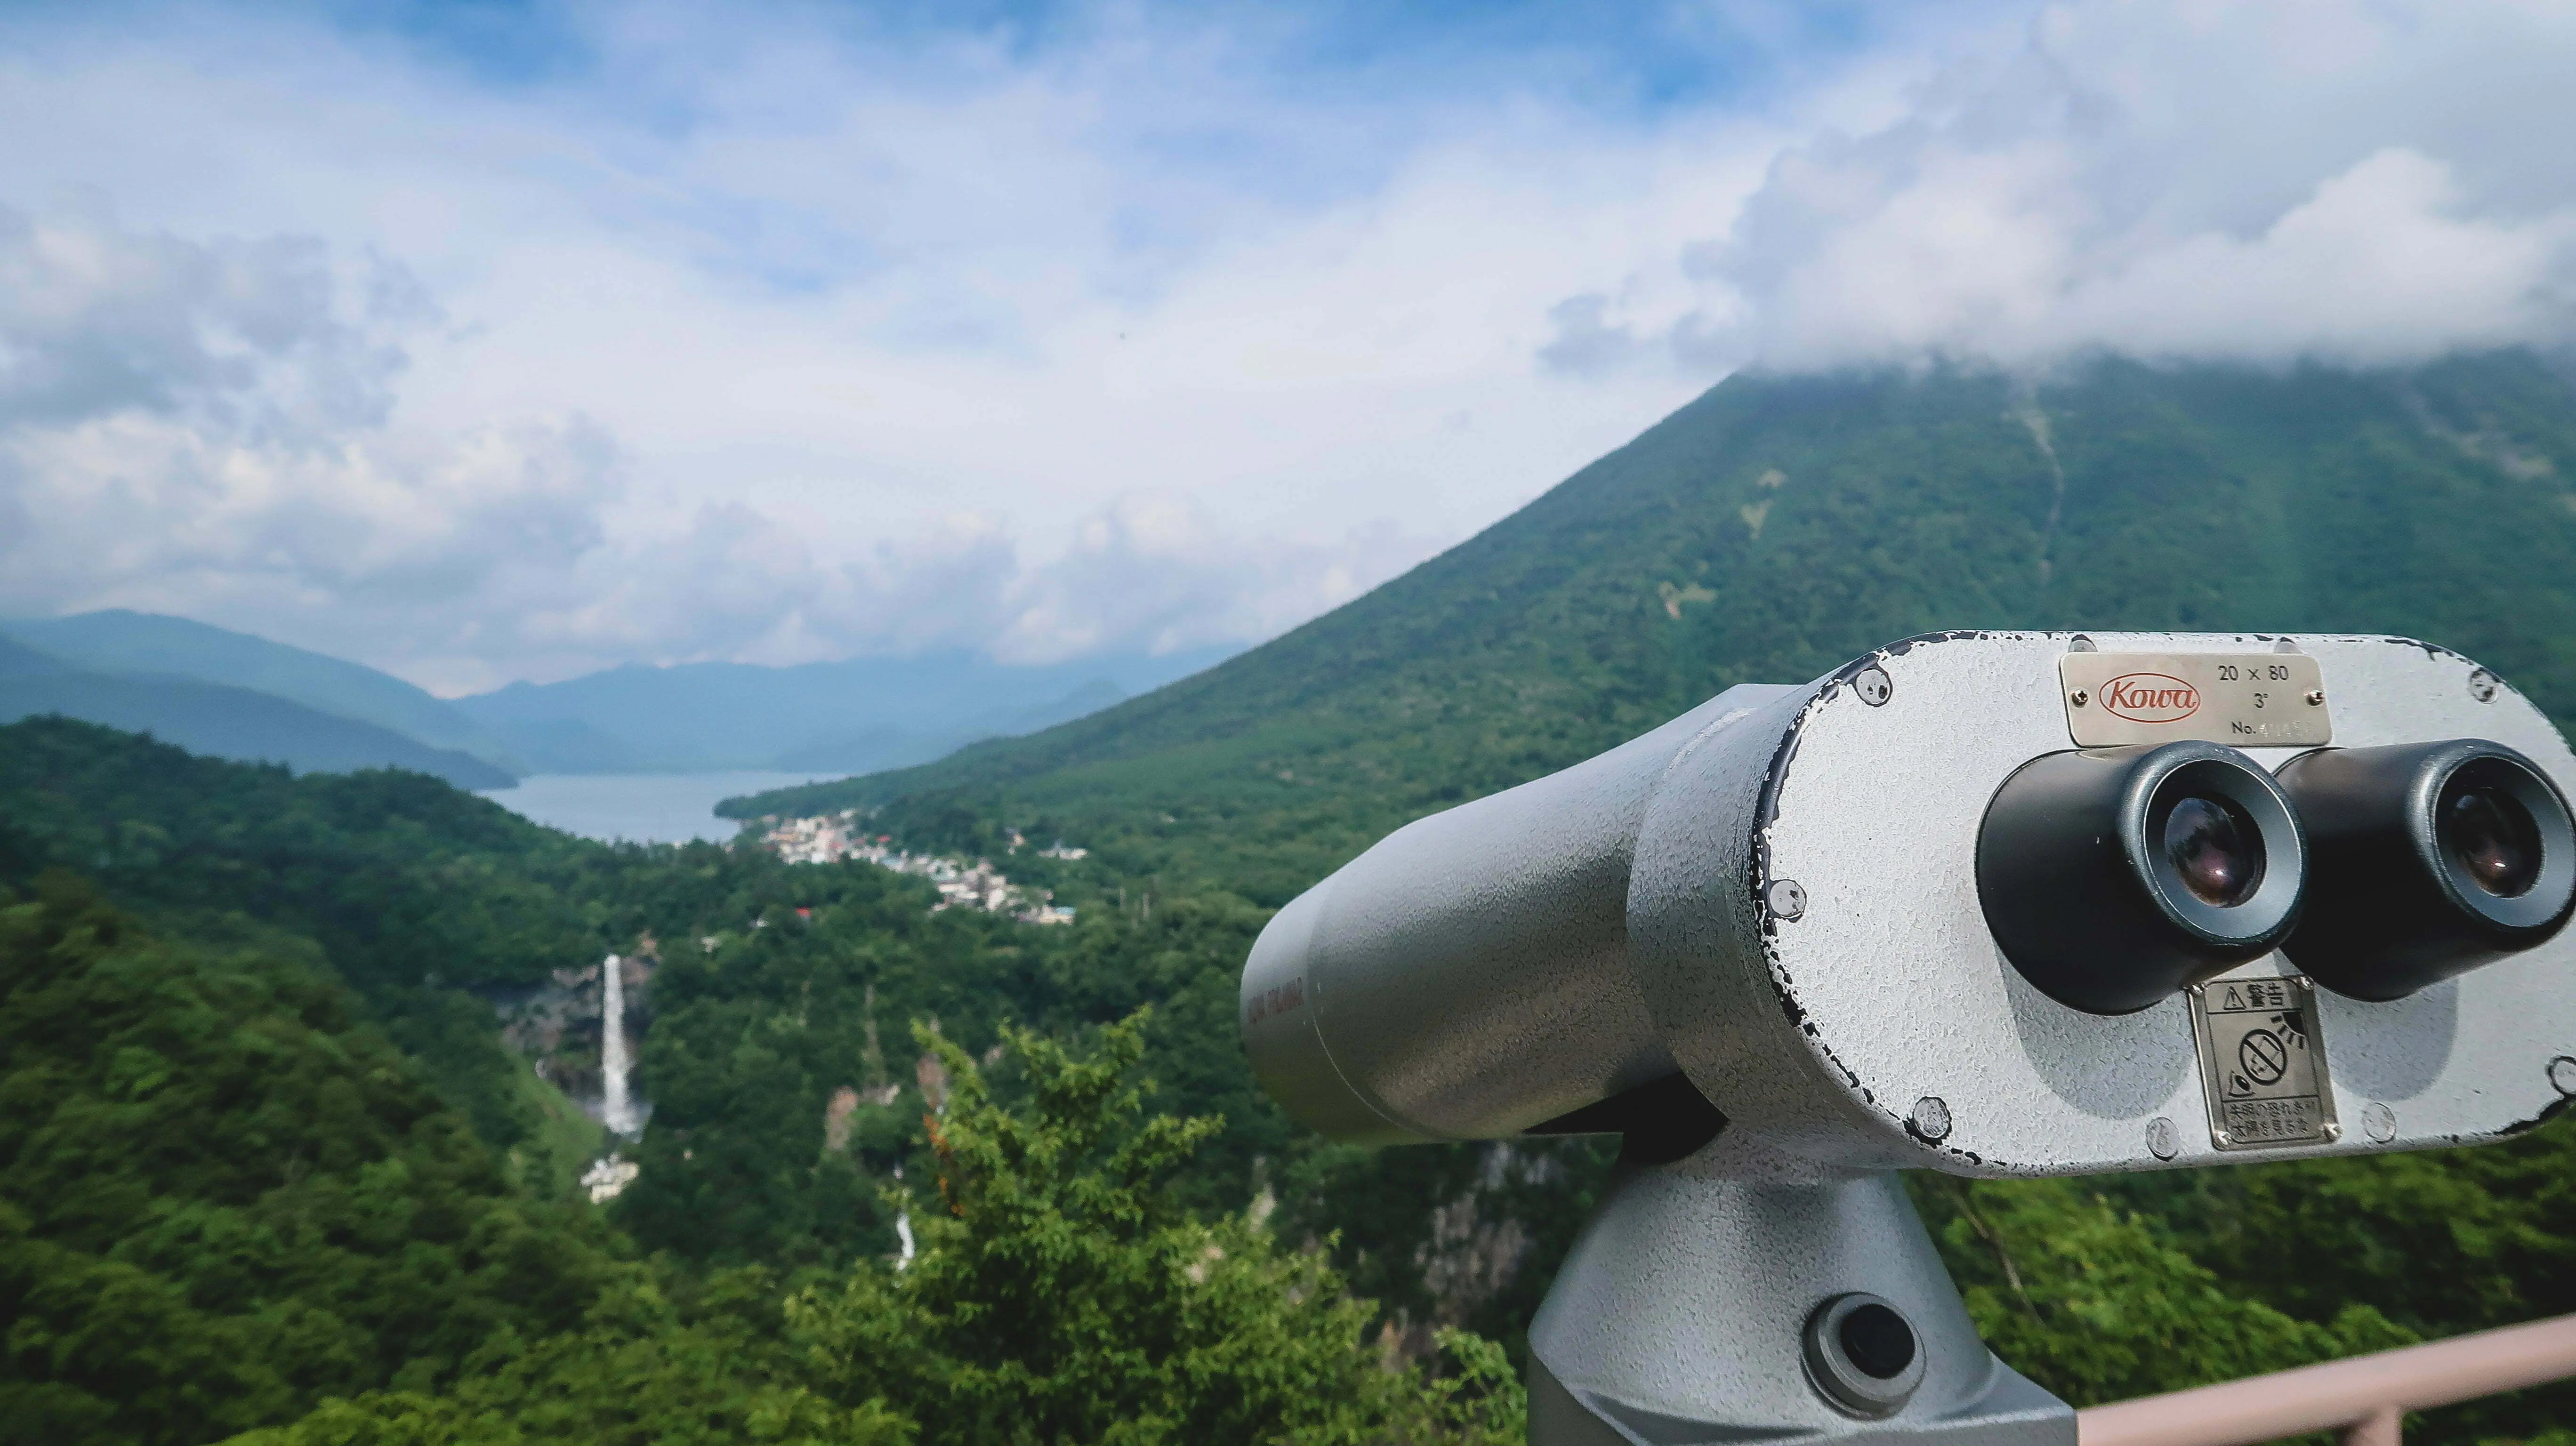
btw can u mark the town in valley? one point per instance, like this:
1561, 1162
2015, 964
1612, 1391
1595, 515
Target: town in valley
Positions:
962, 883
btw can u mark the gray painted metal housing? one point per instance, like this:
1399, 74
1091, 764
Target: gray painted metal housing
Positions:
1498, 965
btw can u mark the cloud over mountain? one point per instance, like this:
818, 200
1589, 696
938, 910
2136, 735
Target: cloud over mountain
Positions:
2361, 183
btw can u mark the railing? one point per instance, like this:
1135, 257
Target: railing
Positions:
2364, 1397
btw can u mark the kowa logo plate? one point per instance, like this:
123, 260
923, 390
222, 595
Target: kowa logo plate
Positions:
2249, 700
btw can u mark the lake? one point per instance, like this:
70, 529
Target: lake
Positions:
638, 807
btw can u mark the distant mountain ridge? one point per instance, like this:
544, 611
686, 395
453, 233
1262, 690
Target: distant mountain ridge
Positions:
856, 715
1779, 525
221, 721
120, 641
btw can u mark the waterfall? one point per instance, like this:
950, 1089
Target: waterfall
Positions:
902, 1231
616, 1110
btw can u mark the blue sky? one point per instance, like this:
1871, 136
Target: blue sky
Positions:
485, 341
1633, 58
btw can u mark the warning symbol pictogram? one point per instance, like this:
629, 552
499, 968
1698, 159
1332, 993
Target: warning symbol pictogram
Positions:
2263, 1056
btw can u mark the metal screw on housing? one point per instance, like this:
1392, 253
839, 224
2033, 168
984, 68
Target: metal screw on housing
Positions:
1931, 1118
1786, 899
2163, 1140
2379, 1122
2079, 698
1874, 686
2483, 685
2316, 697
2562, 1075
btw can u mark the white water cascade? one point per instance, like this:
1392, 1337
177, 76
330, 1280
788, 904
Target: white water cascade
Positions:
616, 1110
902, 1231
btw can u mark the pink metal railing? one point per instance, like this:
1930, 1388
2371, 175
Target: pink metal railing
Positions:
2364, 1397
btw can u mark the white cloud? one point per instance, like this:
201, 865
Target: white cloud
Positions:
207, 428
1158, 571
793, 338
2361, 183
745, 319
202, 426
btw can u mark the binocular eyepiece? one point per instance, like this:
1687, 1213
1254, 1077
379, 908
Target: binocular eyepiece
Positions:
2112, 877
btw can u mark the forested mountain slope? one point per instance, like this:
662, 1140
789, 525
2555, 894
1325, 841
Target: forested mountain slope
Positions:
772, 988
228, 1205
1779, 525
223, 1199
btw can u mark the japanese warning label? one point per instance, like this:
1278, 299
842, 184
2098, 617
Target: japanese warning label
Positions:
2262, 1064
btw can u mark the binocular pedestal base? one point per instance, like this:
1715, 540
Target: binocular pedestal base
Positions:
1709, 1310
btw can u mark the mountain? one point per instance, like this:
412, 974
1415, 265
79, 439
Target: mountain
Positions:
118, 641
222, 721
860, 714
1778, 525
857, 716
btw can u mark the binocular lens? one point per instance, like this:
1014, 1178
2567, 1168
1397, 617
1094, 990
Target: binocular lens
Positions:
2114, 876
2215, 850
2431, 859
2491, 836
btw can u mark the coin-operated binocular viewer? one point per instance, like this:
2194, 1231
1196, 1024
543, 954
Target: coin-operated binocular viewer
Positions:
1997, 904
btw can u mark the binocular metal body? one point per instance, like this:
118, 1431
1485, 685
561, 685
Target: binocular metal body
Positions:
1989, 903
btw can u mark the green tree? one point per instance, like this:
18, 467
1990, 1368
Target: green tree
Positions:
1062, 1293
644, 1369
222, 1199
1062, 1296
2094, 1303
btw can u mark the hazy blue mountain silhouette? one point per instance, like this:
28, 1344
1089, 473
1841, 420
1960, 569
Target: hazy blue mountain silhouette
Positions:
856, 715
119, 641
222, 721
